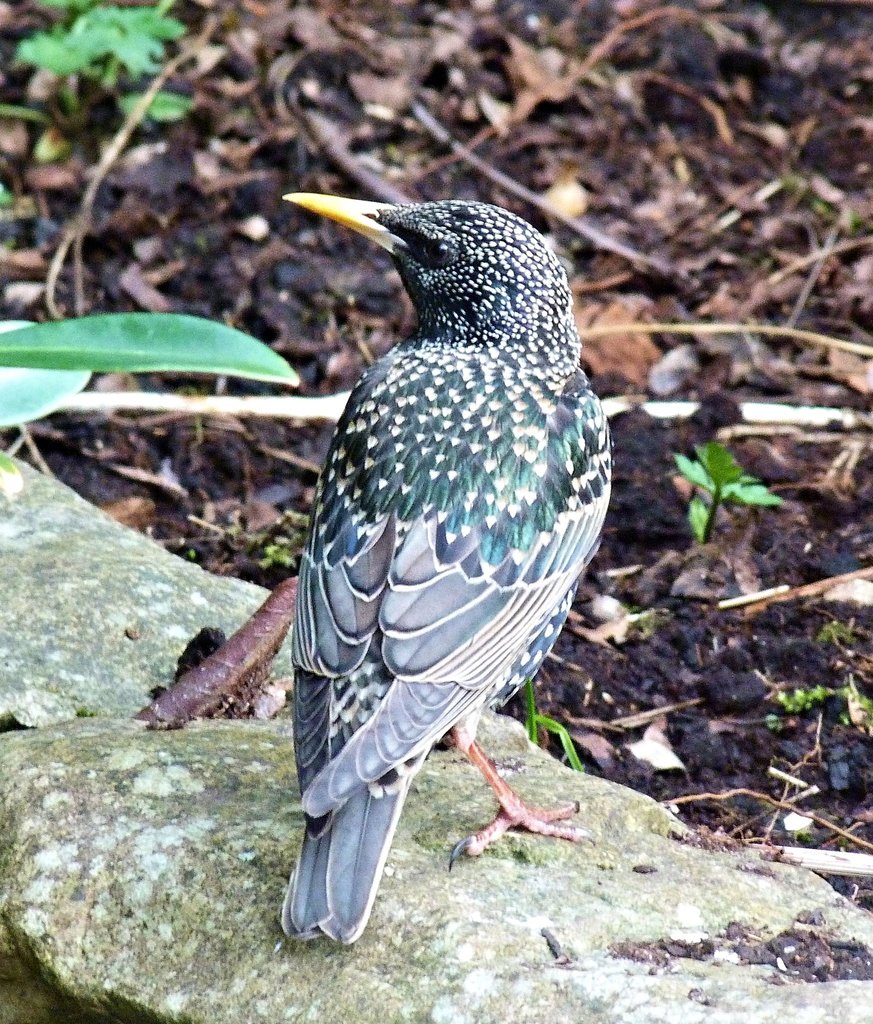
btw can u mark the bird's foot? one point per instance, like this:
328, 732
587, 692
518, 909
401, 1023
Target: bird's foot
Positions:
514, 812
520, 816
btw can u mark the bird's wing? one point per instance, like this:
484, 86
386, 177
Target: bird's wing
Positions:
449, 622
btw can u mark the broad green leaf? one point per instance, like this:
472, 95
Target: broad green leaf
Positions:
719, 463
166, 106
694, 472
142, 342
698, 517
27, 395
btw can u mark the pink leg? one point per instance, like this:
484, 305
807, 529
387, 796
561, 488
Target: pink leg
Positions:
514, 812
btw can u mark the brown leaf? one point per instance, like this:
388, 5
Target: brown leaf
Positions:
632, 355
136, 512
142, 293
394, 93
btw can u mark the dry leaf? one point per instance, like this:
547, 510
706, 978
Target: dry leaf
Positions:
632, 355
567, 195
654, 748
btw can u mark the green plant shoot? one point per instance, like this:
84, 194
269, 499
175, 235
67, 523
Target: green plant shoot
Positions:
535, 721
99, 43
718, 473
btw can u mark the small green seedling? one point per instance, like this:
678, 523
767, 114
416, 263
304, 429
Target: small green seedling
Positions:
536, 721
93, 44
718, 473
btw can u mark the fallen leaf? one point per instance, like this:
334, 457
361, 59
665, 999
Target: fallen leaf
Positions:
654, 748
632, 354
567, 195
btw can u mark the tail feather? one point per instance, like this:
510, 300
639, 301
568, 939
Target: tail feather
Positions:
334, 884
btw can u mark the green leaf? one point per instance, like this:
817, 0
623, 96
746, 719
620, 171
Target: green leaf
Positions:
531, 720
550, 725
166, 106
133, 36
30, 394
141, 342
27, 395
50, 51
698, 518
751, 494
719, 463
11, 480
694, 473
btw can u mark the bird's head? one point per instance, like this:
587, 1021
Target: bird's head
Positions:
477, 274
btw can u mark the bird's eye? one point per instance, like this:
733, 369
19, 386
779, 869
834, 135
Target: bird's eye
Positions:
438, 253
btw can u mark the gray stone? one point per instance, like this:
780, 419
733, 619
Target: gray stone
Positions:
142, 874
92, 615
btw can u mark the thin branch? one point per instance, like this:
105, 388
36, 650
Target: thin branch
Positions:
782, 805
721, 327
289, 407
813, 275
826, 862
330, 408
329, 139
848, 245
597, 238
74, 233
808, 589
242, 661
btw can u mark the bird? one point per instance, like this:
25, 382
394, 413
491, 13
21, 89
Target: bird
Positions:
463, 493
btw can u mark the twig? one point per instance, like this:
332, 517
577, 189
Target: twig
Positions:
813, 275
745, 599
242, 660
826, 862
783, 805
601, 50
644, 717
329, 139
767, 799
291, 407
768, 330
710, 106
597, 238
34, 451
74, 233
809, 589
813, 257
752, 412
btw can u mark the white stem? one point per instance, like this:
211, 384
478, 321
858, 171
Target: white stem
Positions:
330, 407
828, 862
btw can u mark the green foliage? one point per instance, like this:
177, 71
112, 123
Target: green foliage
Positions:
718, 473
836, 633
536, 721
166, 106
859, 707
48, 362
97, 43
800, 700
99, 40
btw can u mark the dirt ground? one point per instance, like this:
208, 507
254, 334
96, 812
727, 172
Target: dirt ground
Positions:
727, 145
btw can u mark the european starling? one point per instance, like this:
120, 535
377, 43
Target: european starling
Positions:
463, 494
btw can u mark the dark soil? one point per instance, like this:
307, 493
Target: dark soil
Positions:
730, 143
801, 954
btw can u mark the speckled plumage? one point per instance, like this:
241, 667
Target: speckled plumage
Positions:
463, 493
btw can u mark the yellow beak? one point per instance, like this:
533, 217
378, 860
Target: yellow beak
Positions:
357, 214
